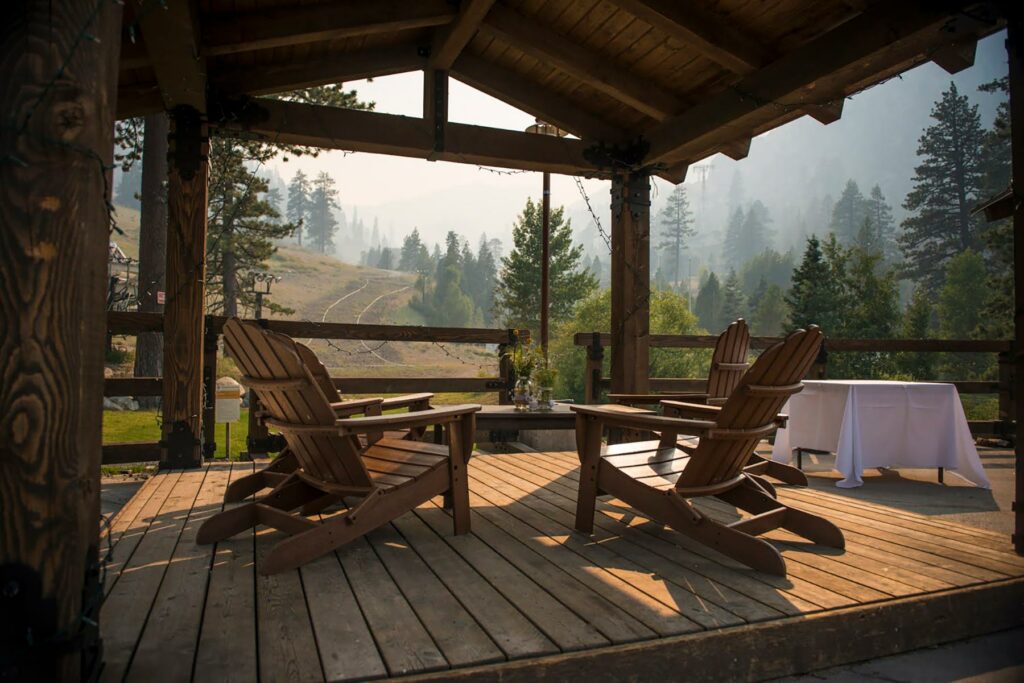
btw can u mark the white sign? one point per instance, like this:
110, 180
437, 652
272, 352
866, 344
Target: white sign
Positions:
228, 407
160, 298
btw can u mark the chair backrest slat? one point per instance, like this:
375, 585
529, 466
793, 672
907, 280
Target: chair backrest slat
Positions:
266, 355
728, 362
773, 378
320, 374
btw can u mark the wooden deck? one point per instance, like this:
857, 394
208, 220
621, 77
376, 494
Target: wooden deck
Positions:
523, 591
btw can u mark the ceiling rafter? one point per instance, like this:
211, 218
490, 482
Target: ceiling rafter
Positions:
171, 37
270, 28
884, 35
587, 66
450, 41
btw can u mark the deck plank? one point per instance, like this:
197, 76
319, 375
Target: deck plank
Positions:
127, 606
559, 623
123, 518
508, 628
177, 610
226, 648
405, 645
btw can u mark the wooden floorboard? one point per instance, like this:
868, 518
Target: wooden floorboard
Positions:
522, 590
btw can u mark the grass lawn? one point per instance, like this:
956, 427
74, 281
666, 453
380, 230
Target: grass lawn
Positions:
142, 425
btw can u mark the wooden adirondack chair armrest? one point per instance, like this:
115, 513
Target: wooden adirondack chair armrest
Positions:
407, 401
675, 408
610, 417
355, 406
654, 399
410, 420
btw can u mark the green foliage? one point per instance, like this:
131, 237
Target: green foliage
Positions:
997, 312
298, 208
959, 313
708, 304
947, 184
321, 224
415, 258
676, 228
917, 324
669, 315
768, 319
880, 214
734, 304
517, 297
849, 213
771, 266
748, 234
816, 296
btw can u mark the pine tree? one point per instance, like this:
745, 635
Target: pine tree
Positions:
997, 312
676, 229
322, 224
517, 297
867, 238
849, 213
734, 304
486, 280
871, 312
754, 300
959, 314
816, 295
734, 249
947, 184
917, 323
708, 304
757, 233
241, 225
769, 316
414, 257
298, 202
880, 213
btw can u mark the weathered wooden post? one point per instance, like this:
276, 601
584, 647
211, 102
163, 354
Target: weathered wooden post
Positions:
1005, 365
188, 176
631, 285
594, 370
1015, 53
209, 423
59, 62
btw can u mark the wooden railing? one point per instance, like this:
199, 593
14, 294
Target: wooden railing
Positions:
596, 343
129, 323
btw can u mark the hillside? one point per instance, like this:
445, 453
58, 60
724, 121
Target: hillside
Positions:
322, 288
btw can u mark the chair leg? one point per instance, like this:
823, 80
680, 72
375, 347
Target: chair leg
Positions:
765, 484
812, 527
589, 448
242, 488
315, 507
777, 470
286, 496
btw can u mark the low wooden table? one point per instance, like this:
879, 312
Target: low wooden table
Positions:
506, 418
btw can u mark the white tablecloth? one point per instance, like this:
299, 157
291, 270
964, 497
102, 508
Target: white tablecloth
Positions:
869, 423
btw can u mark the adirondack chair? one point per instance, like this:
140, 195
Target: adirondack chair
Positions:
728, 363
389, 476
285, 462
661, 479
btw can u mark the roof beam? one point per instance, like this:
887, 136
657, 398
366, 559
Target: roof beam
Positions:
171, 38
511, 88
956, 58
363, 131
591, 68
884, 35
259, 30
452, 40
267, 79
711, 36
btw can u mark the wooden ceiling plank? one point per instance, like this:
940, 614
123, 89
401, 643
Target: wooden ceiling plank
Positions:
711, 36
591, 68
452, 40
273, 78
271, 28
171, 39
524, 94
823, 67
363, 131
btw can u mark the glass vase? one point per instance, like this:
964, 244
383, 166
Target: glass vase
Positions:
521, 394
545, 399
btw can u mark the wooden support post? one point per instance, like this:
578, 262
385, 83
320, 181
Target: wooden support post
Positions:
209, 423
1015, 53
594, 370
505, 371
56, 149
631, 286
187, 180
1005, 364
435, 104
545, 262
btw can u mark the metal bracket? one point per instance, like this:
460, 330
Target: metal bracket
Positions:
272, 443
495, 384
179, 444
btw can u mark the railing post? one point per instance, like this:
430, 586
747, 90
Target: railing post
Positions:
209, 419
595, 366
1006, 398
820, 368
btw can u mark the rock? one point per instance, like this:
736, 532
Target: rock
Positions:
109, 404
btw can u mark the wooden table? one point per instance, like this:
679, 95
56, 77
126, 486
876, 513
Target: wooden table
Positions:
506, 418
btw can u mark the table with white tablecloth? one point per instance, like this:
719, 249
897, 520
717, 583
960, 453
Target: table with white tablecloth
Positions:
869, 423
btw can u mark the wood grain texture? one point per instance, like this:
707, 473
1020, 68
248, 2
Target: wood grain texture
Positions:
630, 319
58, 96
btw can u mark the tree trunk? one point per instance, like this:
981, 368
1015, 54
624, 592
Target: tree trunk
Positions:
149, 348
58, 95
228, 270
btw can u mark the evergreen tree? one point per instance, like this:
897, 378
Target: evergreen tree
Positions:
386, 261
947, 184
241, 225
768, 318
129, 187
917, 322
322, 224
517, 298
868, 238
708, 304
734, 249
414, 257
757, 233
849, 213
769, 265
816, 296
754, 300
298, 202
872, 312
997, 312
486, 280
734, 304
676, 229
959, 314
880, 213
